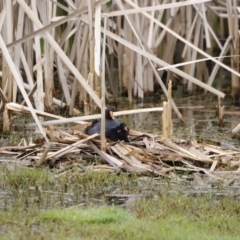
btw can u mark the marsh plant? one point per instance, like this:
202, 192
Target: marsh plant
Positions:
35, 205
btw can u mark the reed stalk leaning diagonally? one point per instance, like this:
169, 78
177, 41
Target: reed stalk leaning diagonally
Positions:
140, 38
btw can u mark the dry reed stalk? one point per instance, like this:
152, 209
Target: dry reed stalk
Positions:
233, 30
26, 110
127, 151
30, 93
171, 43
134, 167
127, 84
194, 54
167, 126
55, 23
4, 91
19, 81
120, 50
207, 172
138, 83
137, 9
165, 120
148, 84
162, 63
209, 26
60, 52
103, 85
56, 101
4, 98
55, 155
63, 81
111, 160
3, 14
7, 35
93, 116
220, 113
194, 156
169, 114
28, 69
44, 154
159, 34
79, 60
91, 74
17, 49
187, 54
235, 130
48, 12
38, 58
183, 40
216, 66
214, 165
128, 70
205, 25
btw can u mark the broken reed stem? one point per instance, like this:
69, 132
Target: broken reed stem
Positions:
44, 154
167, 114
220, 113
170, 109
164, 120
235, 130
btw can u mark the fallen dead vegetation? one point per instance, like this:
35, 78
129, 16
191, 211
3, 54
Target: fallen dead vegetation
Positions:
72, 151
147, 154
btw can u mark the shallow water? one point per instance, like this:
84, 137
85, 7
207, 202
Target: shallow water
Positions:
199, 124
58, 196
199, 115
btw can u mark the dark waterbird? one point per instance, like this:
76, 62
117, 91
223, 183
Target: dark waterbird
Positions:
114, 130
120, 132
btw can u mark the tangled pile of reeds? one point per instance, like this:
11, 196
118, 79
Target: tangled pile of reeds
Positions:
146, 154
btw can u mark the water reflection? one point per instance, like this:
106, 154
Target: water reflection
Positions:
145, 122
201, 121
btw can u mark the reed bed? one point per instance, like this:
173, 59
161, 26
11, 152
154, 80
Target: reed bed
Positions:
74, 54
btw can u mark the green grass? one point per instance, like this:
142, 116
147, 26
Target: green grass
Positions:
100, 215
21, 178
34, 205
163, 218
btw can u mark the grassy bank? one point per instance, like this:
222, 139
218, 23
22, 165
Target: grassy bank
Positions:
34, 205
